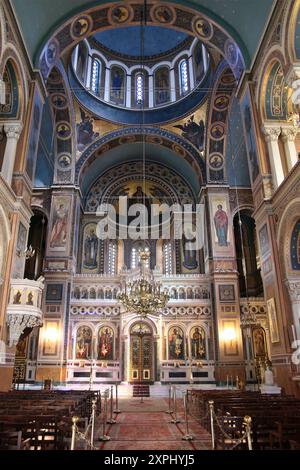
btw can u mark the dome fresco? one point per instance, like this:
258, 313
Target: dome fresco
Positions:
127, 41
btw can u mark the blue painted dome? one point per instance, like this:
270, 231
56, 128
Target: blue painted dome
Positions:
127, 41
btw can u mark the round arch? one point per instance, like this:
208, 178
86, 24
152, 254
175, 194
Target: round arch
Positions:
290, 216
11, 56
154, 137
181, 18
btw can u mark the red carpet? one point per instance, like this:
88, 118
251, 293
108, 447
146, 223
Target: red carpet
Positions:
146, 426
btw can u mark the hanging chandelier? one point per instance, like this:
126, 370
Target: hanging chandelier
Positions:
143, 295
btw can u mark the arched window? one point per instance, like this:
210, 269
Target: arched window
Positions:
167, 257
139, 88
183, 77
112, 258
95, 76
136, 258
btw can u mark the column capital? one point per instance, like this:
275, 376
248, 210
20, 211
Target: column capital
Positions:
271, 132
13, 130
293, 75
289, 132
294, 289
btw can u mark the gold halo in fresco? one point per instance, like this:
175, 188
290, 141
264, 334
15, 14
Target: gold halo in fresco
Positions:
81, 27
203, 29
178, 149
120, 14
127, 139
221, 102
152, 139
103, 149
163, 14
63, 130
216, 161
217, 131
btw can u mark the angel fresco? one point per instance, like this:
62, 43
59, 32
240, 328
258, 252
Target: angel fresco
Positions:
193, 132
85, 131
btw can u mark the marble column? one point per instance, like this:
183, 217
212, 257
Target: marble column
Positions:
13, 132
272, 133
107, 85
128, 92
2, 91
173, 85
151, 91
294, 291
288, 136
191, 73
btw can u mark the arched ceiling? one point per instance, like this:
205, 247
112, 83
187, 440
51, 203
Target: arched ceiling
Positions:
134, 152
245, 20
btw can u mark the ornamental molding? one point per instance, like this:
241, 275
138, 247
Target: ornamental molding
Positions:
17, 323
271, 132
13, 130
294, 290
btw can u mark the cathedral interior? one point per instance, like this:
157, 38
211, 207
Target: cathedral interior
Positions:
174, 104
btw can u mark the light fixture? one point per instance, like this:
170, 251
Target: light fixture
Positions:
229, 334
27, 254
143, 295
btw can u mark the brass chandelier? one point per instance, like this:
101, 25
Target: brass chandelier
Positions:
143, 296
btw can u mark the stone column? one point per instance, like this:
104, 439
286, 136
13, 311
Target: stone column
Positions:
2, 91
173, 85
205, 58
128, 91
288, 136
13, 131
151, 91
294, 291
272, 133
107, 85
89, 73
191, 73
